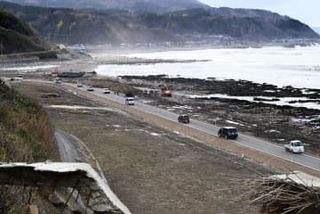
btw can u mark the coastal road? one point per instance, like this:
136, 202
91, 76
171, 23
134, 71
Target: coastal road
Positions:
243, 140
247, 141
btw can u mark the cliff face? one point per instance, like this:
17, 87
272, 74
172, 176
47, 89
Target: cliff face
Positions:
121, 26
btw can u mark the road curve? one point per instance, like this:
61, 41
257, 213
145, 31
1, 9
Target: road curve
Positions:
251, 142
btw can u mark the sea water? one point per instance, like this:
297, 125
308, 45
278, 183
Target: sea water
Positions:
298, 67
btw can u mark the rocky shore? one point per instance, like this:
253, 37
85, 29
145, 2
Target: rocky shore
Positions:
269, 113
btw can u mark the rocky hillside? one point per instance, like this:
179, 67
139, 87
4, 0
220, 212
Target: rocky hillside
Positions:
120, 26
144, 5
17, 36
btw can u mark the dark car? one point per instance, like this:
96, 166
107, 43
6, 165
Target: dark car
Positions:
129, 95
228, 132
184, 118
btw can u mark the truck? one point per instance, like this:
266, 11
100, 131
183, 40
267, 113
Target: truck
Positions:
295, 146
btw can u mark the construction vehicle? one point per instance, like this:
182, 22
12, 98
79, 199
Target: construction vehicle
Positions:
165, 92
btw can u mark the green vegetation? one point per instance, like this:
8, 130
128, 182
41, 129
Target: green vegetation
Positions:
142, 5
25, 131
120, 26
25, 136
17, 36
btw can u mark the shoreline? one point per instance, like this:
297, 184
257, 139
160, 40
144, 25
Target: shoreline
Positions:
126, 51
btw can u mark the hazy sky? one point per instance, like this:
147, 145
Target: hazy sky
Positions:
307, 11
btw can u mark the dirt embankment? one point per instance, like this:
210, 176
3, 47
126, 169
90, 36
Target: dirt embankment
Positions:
26, 135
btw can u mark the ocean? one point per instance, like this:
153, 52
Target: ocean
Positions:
298, 67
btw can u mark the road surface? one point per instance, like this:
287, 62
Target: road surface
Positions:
70, 148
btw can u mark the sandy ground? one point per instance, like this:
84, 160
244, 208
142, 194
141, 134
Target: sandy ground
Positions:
153, 170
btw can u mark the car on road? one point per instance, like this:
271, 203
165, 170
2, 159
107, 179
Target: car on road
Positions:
106, 91
57, 80
228, 132
129, 95
295, 146
184, 118
79, 84
129, 101
16, 78
90, 89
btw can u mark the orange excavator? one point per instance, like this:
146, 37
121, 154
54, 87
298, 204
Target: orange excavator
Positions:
165, 92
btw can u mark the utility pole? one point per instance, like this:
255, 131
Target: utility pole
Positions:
1, 48
1, 52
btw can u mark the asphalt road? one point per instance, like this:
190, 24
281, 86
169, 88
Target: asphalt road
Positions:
243, 140
70, 148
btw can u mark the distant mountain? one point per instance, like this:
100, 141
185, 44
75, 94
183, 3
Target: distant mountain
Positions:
16, 36
120, 26
157, 6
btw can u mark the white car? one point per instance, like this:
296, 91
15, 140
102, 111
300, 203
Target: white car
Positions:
129, 101
295, 146
106, 91
90, 89
18, 78
57, 81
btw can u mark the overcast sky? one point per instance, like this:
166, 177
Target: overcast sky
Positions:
307, 11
